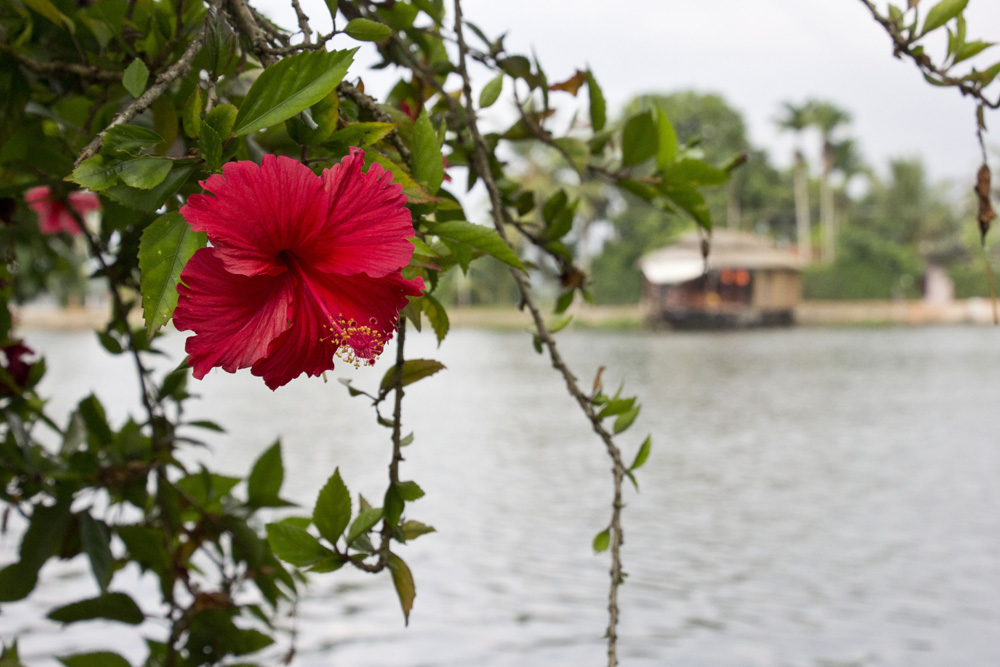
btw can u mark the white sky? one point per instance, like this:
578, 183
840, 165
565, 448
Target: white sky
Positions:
755, 53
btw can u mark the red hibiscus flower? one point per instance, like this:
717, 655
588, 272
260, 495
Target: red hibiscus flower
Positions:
52, 214
301, 268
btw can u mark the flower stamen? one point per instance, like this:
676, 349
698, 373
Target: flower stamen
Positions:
356, 343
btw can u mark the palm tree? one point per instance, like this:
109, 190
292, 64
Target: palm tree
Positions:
796, 119
827, 118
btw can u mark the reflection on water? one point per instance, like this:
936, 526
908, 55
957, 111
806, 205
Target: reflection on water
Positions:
814, 497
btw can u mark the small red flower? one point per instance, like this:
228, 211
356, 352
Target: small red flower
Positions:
17, 368
300, 268
52, 214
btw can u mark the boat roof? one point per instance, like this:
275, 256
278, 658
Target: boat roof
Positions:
682, 261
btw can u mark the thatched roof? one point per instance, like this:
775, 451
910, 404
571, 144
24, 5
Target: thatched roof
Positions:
682, 261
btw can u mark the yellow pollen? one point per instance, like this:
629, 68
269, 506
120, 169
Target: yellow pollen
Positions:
356, 343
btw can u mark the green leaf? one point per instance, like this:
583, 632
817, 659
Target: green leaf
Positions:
365, 30
428, 163
47, 9
95, 174
144, 172
639, 141
484, 239
602, 540
416, 192
491, 91
695, 172
266, 477
970, 49
414, 529
145, 546
413, 370
689, 200
667, 147
111, 606
409, 491
148, 201
941, 13
135, 77
210, 147
17, 580
295, 545
289, 86
129, 139
332, 512
402, 579
97, 659
625, 419
598, 107
361, 134
164, 250
642, 454
437, 315
364, 522
97, 544
191, 114
576, 151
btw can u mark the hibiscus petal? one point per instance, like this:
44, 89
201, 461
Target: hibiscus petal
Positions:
368, 222
235, 317
258, 211
325, 300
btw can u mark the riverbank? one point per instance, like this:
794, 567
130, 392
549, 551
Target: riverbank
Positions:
808, 313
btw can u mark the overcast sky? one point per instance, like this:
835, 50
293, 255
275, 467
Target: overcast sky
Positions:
756, 54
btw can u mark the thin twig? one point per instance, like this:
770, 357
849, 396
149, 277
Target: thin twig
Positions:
86, 72
481, 161
248, 25
163, 81
303, 22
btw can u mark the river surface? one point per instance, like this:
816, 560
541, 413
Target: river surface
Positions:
814, 497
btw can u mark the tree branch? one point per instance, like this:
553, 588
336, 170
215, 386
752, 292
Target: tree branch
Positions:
163, 81
500, 218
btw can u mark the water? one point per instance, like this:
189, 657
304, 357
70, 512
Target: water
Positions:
815, 497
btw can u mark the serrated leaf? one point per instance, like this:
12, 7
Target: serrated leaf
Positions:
402, 579
95, 173
266, 477
598, 107
413, 370
428, 163
135, 77
164, 250
144, 173
289, 86
642, 454
366, 30
491, 92
484, 239
111, 606
639, 141
332, 512
96, 659
295, 545
941, 13
602, 540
